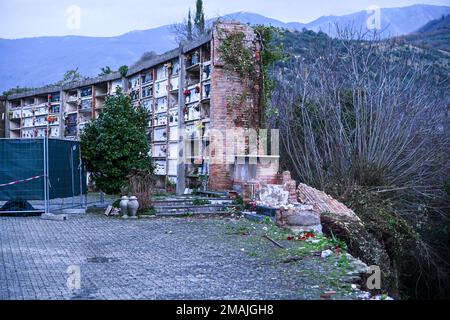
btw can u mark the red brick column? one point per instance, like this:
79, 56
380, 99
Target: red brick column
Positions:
225, 85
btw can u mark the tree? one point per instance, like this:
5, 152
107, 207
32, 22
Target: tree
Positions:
146, 56
105, 70
192, 27
115, 145
16, 90
71, 76
189, 26
123, 70
365, 121
199, 20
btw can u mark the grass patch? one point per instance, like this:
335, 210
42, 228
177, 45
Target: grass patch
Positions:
201, 202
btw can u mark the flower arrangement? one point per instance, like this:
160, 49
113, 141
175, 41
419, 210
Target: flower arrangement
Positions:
252, 205
303, 237
199, 125
52, 119
187, 92
169, 66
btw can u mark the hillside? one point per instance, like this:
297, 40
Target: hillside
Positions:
435, 34
309, 46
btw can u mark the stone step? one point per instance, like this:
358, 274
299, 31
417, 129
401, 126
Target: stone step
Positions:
193, 209
182, 214
190, 202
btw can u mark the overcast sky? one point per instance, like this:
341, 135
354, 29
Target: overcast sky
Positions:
30, 18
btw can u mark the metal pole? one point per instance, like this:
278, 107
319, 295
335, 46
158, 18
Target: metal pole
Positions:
45, 176
81, 177
71, 174
48, 173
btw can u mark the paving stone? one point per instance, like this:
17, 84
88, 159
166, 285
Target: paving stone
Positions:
124, 259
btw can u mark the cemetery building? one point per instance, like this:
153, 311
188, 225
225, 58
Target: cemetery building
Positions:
2, 117
186, 91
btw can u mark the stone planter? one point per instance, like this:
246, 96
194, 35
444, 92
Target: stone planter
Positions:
133, 206
124, 207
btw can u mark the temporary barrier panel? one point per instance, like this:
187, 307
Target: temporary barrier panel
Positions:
23, 173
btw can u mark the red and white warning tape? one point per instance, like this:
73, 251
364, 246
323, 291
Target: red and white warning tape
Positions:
20, 181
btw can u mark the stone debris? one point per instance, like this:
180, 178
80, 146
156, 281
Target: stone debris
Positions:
289, 214
328, 294
326, 253
364, 295
300, 218
381, 297
274, 196
357, 265
111, 211
290, 185
367, 296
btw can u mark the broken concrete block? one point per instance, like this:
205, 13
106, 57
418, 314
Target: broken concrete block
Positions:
54, 217
326, 253
300, 218
108, 210
73, 211
273, 196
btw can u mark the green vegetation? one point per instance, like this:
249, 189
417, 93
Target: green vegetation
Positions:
201, 202
115, 145
271, 54
193, 27
238, 56
16, 90
123, 70
71, 76
403, 202
105, 70
434, 35
199, 18
149, 212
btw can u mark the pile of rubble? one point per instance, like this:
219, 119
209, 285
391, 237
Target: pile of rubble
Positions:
300, 209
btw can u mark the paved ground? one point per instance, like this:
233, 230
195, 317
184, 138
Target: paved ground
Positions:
176, 258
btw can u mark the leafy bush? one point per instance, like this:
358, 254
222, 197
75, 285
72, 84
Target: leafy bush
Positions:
116, 144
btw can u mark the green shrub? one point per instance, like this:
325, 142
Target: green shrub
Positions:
116, 143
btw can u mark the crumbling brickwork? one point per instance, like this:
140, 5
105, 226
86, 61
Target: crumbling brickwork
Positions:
227, 86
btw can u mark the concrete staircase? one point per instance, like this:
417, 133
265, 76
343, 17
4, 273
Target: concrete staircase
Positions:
184, 205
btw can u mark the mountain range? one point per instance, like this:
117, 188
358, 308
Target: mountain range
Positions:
33, 62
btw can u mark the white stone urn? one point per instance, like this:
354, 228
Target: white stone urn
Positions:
133, 206
124, 206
